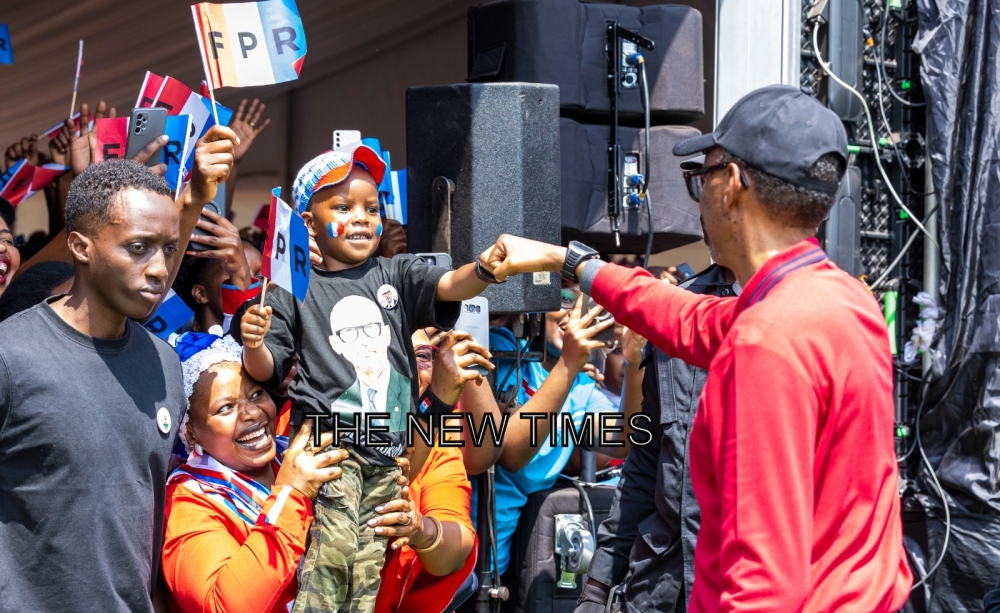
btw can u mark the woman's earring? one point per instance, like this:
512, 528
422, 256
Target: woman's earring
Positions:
199, 449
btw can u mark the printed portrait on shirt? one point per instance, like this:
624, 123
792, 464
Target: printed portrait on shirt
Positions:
360, 335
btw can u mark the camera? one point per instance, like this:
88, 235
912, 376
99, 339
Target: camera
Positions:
436, 259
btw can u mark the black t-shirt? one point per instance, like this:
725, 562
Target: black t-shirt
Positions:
352, 339
86, 429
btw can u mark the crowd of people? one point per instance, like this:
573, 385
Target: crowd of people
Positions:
202, 473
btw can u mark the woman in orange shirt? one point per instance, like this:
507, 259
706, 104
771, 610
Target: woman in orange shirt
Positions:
236, 516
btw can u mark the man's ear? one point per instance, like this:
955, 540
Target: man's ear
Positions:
199, 294
335, 344
80, 247
733, 190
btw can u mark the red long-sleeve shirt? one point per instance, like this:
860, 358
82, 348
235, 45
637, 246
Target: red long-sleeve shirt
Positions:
792, 455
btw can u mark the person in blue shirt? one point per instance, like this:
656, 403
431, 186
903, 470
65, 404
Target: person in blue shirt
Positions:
558, 385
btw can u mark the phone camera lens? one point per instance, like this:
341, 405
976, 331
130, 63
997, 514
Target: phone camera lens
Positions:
138, 129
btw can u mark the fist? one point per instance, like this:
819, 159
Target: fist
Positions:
213, 160
254, 325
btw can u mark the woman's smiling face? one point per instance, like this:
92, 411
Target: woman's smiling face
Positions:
232, 418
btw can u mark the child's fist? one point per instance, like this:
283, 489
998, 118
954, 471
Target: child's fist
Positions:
254, 325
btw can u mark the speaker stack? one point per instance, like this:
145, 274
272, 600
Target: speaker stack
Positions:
566, 43
524, 146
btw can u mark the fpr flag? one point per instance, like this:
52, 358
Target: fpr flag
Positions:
175, 152
17, 182
179, 99
286, 250
22, 180
250, 43
6, 49
172, 315
54, 130
112, 137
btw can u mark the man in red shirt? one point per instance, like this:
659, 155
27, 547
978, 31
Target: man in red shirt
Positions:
792, 455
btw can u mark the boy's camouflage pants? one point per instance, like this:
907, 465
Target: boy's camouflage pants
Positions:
339, 572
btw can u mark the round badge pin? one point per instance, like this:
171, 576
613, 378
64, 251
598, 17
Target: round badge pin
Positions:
387, 297
163, 420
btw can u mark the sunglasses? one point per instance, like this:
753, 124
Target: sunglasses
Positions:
695, 179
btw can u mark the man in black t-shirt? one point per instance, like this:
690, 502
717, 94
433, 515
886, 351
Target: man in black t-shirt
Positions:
351, 336
90, 401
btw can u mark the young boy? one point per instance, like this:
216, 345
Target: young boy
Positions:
352, 339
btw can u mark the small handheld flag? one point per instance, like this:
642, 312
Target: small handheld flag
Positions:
112, 138
399, 195
76, 80
175, 152
250, 43
22, 180
286, 250
17, 182
172, 315
6, 49
75, 118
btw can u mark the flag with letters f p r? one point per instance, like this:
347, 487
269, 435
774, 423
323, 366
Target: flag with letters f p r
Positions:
286, 250
250, 43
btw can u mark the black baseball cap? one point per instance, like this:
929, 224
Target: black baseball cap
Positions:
778, 130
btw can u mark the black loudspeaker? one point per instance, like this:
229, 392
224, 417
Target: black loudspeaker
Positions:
584, 162
563, 42
842, 230
497, 146
534, 565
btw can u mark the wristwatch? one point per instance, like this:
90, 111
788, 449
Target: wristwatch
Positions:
576, 253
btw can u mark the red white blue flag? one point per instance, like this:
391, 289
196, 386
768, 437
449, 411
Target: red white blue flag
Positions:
250, 43
22, 180
286, 250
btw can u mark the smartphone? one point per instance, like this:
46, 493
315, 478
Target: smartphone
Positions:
145, 126
474, 319
607, 336
346, 140
685, 271
436, 259
215, 208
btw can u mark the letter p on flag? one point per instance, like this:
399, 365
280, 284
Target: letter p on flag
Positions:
250, 43
286, 250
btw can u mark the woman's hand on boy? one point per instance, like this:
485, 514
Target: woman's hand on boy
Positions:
306, 468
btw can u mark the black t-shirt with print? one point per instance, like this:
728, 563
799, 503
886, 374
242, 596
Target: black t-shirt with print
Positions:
352, 339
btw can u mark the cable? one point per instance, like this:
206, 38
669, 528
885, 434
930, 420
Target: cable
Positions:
590, 510
947, 512
871, 129
644, 85
909, 243
885, 115
881, 65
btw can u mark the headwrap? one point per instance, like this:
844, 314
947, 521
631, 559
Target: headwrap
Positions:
198, 355
329, 169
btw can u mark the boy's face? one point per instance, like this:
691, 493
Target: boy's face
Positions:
129, 261
345, 220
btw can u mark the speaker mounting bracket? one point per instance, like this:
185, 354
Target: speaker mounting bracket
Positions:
617, 38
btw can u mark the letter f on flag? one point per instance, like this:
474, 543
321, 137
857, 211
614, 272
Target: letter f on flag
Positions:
250, 43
